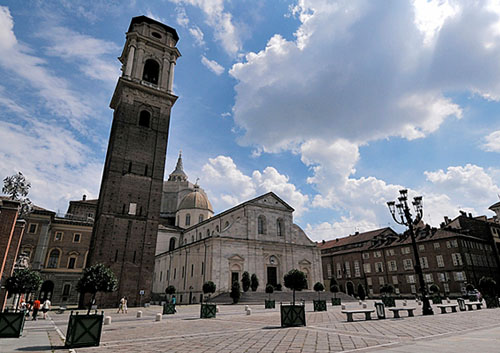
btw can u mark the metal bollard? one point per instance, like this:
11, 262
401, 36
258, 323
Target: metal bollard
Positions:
107, 320
246, 307
158, 317
364, 305
217, 308
139, 314
249, 311
380, 309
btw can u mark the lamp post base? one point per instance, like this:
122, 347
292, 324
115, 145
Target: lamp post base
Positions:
426, 306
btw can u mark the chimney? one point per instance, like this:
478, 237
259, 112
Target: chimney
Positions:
357, 233
323, 241
84, 197
470, 215
337, 239
446, 220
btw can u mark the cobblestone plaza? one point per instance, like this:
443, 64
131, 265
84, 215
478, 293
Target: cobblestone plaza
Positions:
234, 331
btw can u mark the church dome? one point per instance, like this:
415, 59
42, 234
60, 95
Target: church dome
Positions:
195, 200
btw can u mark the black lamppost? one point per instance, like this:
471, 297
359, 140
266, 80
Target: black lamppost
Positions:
406, 219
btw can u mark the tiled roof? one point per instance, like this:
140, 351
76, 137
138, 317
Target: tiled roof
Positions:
495, 205
352, 239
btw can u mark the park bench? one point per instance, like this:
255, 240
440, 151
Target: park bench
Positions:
396, 311
471, 304
349, 313
443, 308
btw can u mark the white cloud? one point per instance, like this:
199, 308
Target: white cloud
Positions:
212, 65
492, 143
57, 165
228, 186
197, 35
17, 59
221, 22
431, 15
95, 57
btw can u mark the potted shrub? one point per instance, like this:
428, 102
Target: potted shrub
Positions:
235, 292
207, 310
361, 292
387, 298
85, 330
470, 293
436, 296
245, 281
294, 315
487, 286
334, 288
269, 304
23, 281
169, 306
319, 305
254, 282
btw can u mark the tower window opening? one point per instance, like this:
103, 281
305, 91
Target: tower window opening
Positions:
151, 71
156, 35
144, 118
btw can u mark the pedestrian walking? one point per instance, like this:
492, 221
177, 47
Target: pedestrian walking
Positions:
120, 306
46, 308
125, 302
174, 300
36, 308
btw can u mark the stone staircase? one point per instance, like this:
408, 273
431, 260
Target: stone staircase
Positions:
279, 296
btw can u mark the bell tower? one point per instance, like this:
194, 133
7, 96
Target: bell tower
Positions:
126, 223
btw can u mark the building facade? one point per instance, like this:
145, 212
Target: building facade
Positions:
451, 257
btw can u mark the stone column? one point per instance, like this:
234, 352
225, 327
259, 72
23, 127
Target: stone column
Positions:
138, 59
171, 77
130, 60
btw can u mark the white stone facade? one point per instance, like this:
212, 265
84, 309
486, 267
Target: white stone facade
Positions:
221, 248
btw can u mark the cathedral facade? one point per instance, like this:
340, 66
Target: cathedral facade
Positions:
257, 236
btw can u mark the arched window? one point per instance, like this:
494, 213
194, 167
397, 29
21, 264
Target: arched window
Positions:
261, 225
144, 118
217, 228
72, 261
151, 71
53, 258
208, 232
188, 219
172, 244
280, 227
192, 238
200, 218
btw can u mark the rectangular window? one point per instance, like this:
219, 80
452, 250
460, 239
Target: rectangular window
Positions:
175, 272
423, 262
58, 236
329, 270
459, 276
421, 247
407, 264
76, 237
377, 254
370, 290
454, 243
410, 278
66, 289
192, 270
369, 281
367, 268
132, 209
436, 246
457, 259
379, 267
448, 244
202, 268
161, 275
33, 227
71, 263
390, 252
428, 278
405, 250
446, 287
394, 279
366, 255
440, 261
357, 269
182, 272
339, 270
392, 266
347, 269
381, 281
168, 275
413, 289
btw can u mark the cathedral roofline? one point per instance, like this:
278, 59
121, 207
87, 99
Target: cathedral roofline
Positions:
142, 19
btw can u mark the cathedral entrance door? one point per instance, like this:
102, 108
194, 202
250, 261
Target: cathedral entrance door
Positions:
271, 276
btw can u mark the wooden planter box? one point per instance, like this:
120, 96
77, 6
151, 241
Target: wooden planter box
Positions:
84, 330
11, 324
491, 302
437, 300
269, 304
208, 311
319, 305
293, 315
168, 308
336, 301
389, 302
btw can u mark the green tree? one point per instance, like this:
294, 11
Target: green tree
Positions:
296, 281
245, 281
17, 188
487, 285
469, 287
96, 278
23, 281
269, 290
361, 292
334, 287
170, 290
254, 282
235, 292
319, 287
209, 288
434, 289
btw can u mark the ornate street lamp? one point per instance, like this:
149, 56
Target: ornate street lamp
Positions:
401, 214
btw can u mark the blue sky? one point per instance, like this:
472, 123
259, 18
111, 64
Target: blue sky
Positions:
333, 105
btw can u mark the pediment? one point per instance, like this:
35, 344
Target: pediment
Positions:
304, 262
271, 199
236, 258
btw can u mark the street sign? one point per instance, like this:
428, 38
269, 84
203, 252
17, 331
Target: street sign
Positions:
141, 292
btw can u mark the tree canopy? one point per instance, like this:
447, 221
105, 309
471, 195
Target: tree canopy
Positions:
245, 281
170, 290
97, 278
23, 281
209, 287
296, 281
17, 188
254, 282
